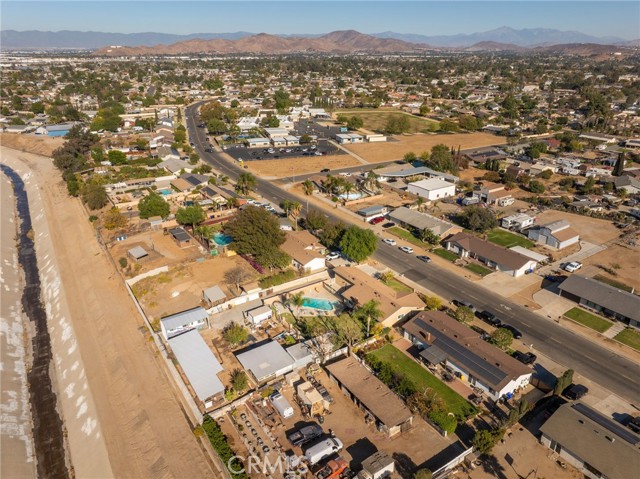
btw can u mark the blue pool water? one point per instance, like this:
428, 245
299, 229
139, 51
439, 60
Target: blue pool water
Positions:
222, 239
316, 303
165, 191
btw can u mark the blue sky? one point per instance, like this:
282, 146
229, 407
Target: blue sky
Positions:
600, 18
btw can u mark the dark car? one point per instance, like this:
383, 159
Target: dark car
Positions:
490, 318
516, 334
305, 434
325, 170
426, 259
634, 424
466, 304
209, 150
575, 391
525, 358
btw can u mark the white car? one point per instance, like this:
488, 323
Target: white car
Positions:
332, 256
406, 249
573, 266
389, 241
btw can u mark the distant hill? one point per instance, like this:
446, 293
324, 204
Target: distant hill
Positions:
346, 41
495, 47
527, 37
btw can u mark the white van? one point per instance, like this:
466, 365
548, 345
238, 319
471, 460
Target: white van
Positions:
323, 449
281, 404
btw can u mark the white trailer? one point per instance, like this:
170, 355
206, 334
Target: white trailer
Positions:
281, 405
323, 449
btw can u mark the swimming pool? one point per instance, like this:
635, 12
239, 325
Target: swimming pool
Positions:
222, 239
317, 303
165, 191
351, 196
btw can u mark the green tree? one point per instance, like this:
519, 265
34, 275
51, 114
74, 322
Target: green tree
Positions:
282, 101
114, 219
478, 219
484, 441
123, 262
432, 303
447, 125
424, 109
217, 127
190, 215
256, 232
348, 330
153, 205
464, 314
316, 220
305, 139
369, 311
358, 244
502, 338
354, 123
423, 473
307, 187
235, 334
332, 234
428, 236
95, 196
180, 134
441, 158
37, 108
563, 381
410, 157
239, 380
245, 183
469, 122
116, 157
536, 186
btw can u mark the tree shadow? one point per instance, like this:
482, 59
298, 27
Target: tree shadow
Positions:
490, 465
405, 467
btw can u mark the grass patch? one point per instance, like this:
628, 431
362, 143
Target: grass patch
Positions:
589, 320
407, 236
422, 379
376, 120
613, 282
507, 239
398, 286
630, 337
446, 254
477, 269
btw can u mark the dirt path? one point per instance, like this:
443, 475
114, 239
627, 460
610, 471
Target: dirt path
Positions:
144, 427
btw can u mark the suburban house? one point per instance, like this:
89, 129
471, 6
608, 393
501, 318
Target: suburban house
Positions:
408, 218
166, 152
199, 365
627, 183
595, 444
518, 221
399, 172
269, 360
558, 234
602, 298
173, 165
495, 194
195, 318
432, 189
443, 340
305, 250
357, 287
247, 123
371, 212
371, 395
494, 256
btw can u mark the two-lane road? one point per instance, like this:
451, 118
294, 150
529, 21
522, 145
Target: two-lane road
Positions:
590, 359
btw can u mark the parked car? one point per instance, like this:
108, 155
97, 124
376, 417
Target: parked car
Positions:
305, 434
406, 249
525, 358
209, 150
390, 241
575, 391
634, 424
467, 304
426, 259
325, 170
572, 267
516, 333
333, 255
376, 220
388, 224
490, 318
323, 449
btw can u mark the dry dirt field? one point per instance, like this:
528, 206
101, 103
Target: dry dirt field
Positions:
298, 166
627, 258
590, 229
395, 150
41, 145
376, 120
144, 425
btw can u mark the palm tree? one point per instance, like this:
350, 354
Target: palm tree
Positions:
369, 310
245, 183
371, 181
204, 232
307, 187
347, 188
294, 300
294, 211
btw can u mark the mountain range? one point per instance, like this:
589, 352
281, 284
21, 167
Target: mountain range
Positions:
67, 39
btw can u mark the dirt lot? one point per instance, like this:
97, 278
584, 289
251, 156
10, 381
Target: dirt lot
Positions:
395, 150
41, 145
298, 166
590, 229
142, 421
626, 257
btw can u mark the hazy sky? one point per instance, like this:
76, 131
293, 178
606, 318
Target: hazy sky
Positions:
598, 18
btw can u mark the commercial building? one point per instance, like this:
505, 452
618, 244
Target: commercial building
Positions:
371, 395
602, 298
195, 318
443, 340
596, 445
432, 189
558, 234
349, 138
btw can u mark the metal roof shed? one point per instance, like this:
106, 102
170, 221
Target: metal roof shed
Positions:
266, 361
137, 252
214, 294
198, 363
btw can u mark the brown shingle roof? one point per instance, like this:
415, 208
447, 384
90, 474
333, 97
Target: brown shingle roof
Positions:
497, 254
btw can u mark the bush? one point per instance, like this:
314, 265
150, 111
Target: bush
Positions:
235, 334
93, 218
123, 262
443, 420
198, 431
220, 444
239, 380
278, 279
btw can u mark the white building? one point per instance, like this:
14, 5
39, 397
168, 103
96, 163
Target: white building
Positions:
432, 189
349, 138
196, 318
247, 123
557, 234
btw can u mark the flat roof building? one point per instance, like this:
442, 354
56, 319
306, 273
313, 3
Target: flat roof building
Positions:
432, 189
266, 361
195, 318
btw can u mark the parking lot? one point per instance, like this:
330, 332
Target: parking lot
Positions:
322, 148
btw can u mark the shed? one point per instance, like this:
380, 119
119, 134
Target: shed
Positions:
311, 398
137, 253
180, 236
213, 295
259, 314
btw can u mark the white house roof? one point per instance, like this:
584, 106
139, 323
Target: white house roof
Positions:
531, 254
432, 184
265, 360
198, 363
185, 317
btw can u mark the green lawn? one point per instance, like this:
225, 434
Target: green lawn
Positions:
422, 378
476, 268
446, 254
398, 286
407, 236
630, 337
589, 320
612, 282
507, 239
376, 120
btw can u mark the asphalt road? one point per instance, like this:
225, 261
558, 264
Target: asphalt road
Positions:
597, 363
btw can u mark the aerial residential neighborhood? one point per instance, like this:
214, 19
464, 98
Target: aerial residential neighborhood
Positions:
330, 254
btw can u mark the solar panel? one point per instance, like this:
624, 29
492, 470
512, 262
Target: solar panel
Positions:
609, 424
